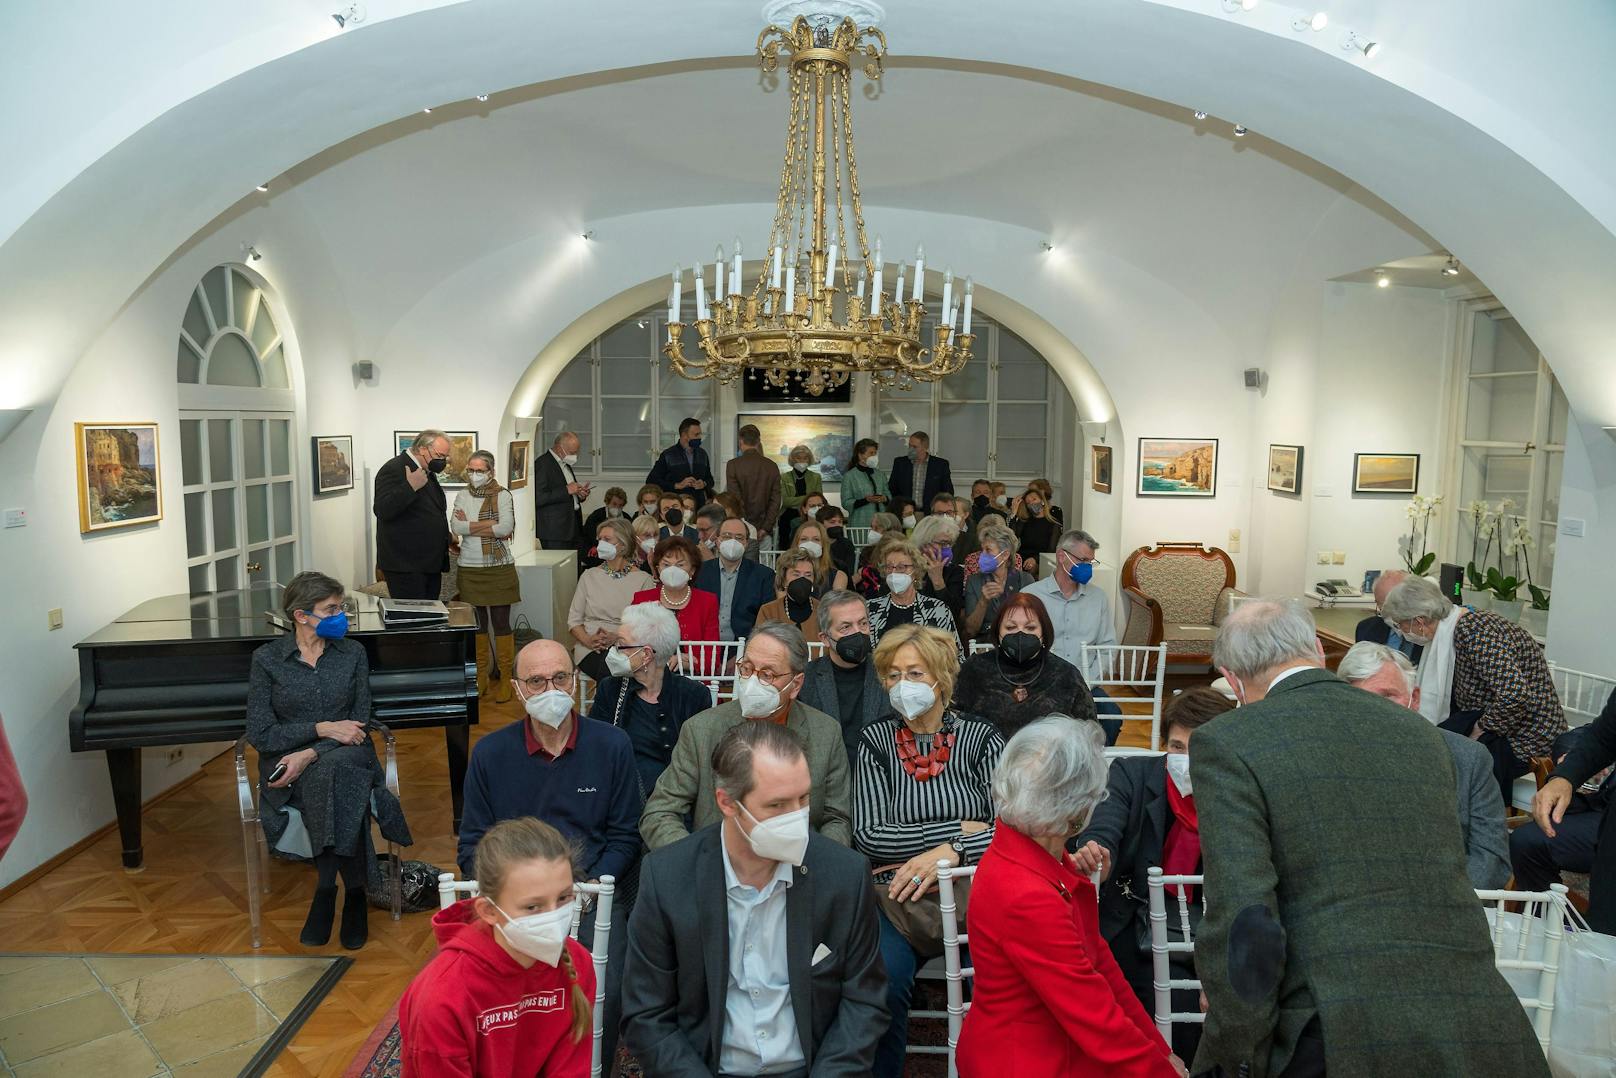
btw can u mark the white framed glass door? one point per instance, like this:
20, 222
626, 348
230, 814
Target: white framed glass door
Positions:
240, 499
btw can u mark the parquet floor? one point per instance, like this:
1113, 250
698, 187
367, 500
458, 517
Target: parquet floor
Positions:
191, 897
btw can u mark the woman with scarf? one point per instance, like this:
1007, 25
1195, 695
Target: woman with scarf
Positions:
797, 483
864, 487
1147, 820
484, 518
1021, 679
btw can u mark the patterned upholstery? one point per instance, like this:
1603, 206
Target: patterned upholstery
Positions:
1186, 587
1176, 594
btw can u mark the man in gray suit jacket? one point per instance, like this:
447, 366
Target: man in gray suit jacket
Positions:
1341, 935
1385, 671
842, 682
754, 946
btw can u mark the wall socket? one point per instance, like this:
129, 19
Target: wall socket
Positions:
1324, 557
176, 754
53, 619
1340, 557
1234, 540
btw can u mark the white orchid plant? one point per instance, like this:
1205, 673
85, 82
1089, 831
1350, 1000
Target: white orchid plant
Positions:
1419, 513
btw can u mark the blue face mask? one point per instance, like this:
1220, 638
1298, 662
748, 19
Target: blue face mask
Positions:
946, 554
987, 564
333, 628
1081, 572
695, 443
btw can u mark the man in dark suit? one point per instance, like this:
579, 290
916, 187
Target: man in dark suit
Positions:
742, 585
558, 497
842, 682
1374, 628
919, 477
754, 946
1326, 947
683, 466
1572, 830
755, 479
412, 519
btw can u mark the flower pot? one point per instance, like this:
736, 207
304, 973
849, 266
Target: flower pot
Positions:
1535, 621
1508, 609
1481, 599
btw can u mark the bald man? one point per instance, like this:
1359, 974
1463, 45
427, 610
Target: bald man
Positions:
1374, 628
570, 771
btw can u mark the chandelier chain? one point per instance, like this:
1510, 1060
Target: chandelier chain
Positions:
852, 175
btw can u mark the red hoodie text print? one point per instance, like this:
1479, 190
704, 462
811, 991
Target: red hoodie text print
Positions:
507, 1015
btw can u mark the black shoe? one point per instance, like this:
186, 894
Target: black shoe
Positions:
355, 919
322, 911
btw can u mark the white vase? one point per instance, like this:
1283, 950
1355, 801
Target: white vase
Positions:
1508, 609
1535, 621
1481, 599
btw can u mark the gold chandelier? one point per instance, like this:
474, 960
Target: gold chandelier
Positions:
803, 318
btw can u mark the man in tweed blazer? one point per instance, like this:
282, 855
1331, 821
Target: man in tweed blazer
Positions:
1341, 935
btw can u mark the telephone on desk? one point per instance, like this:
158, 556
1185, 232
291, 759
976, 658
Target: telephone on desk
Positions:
1336, 588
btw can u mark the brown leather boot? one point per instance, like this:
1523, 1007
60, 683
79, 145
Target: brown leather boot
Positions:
500, 690
485, 663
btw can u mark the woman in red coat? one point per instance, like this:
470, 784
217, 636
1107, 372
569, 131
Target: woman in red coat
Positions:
674, 563
1047, 997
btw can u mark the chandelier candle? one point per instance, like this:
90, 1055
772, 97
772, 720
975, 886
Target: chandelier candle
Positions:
820, 337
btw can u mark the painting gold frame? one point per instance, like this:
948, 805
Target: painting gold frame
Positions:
105, 465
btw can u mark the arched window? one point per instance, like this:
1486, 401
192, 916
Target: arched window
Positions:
237, 450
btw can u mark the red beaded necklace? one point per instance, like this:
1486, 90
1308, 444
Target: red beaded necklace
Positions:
924, 767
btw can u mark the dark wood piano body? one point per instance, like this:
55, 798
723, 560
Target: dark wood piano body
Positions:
174, 671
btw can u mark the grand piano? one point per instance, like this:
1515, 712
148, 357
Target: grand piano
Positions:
174, 670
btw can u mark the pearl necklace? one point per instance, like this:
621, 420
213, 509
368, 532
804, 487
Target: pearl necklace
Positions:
662, 594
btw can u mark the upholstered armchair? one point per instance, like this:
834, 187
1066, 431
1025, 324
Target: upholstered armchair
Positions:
1177, 594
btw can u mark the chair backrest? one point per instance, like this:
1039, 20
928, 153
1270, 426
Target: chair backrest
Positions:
712, 662
1526, 948
768, 556
1162, 948
953, 940
603, 892
1139, 671
977, 647
859, 537
1185, 578
1583, 695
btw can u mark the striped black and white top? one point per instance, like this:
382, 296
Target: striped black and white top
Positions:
896, 818
925, 610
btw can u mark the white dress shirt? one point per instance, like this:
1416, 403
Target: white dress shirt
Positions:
572, 477
760, 1026
1085, 618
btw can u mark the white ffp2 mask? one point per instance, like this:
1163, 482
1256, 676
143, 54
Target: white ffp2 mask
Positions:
551, 707
1178, 769
781, 838
540, 936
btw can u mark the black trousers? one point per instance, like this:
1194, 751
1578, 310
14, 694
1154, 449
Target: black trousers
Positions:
1507, 767
413, 585
1585, 841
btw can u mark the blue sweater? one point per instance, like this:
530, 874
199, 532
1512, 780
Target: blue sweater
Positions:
591, 794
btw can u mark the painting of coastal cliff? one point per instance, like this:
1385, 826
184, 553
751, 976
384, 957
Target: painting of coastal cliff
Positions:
1178, 467
117, 475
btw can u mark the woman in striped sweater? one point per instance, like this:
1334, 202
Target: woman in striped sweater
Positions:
920, 794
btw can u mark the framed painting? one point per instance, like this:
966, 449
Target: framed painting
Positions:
333, 463
1385, 473
118, 478
828, 437
462, 444
516, 466
1285, 468
1178, 468
1100, 459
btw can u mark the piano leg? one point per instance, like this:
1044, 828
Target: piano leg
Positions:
457, 739
124, 766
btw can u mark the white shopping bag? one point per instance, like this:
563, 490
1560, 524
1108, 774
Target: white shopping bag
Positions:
1582, 1042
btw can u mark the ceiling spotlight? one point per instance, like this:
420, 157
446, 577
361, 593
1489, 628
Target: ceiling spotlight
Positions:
1239, 130
251, 253
482, 97
263, 187
1370, 49
1199, 115
1047, 246
1239, 5
350, 15
427, 111
1318, 21
1451, 269
589, 235
1381, 280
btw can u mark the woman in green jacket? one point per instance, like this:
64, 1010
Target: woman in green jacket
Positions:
864, 487
796, 483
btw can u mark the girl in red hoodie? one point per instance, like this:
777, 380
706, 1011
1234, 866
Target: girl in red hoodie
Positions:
508, 994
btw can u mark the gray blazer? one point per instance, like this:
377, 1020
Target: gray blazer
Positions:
677, 968
819, 692
1481, 813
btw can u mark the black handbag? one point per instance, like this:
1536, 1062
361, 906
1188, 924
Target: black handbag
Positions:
418, 880
524, 632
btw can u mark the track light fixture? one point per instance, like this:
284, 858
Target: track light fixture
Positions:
1451, 268
250, 253
1239, 130
589, 235
1200, 115
482, 97
351, 15
1316, 22
1239, 5
426, 111
1370, 49
1381, 280
1047, 246
263, 187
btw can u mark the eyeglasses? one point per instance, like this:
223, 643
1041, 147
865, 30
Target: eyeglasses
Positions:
898, 567
892, 677
541, 684
747, 668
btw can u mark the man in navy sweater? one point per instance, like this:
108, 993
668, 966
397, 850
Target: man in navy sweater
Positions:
572, 772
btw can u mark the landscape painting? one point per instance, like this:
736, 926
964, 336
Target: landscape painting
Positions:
1285, 469
829, 437
1178, 467
333, 463
462, 444
516, 459
1101, 479
1385, 473
118, 477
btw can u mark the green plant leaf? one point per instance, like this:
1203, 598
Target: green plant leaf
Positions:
1424, 564
1540, 598
1474, 577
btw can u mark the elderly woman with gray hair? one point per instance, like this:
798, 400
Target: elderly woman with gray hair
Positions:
484, 518
644, 696
1048, 997
998, 575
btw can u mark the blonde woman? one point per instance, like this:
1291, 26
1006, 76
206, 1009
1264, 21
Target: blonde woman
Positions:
795, 601
797, 482
900, 565
484, 518
1036, 530
996, 578
647, 527
602, 593
810, 536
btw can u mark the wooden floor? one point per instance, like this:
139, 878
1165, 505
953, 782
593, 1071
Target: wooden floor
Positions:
191, 897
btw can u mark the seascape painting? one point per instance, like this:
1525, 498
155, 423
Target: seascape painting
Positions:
1285, 469
118, 481
1385, 473
829, 437
1178, 467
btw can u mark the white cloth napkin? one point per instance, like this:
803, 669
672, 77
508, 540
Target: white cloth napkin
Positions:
1436, 671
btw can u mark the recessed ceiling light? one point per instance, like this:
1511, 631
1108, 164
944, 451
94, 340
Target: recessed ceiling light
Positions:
1381, 280
1239, 130
1451, 269
263, 187
1199, 115
1370, 49
1316, 22
427, 111
482, 97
